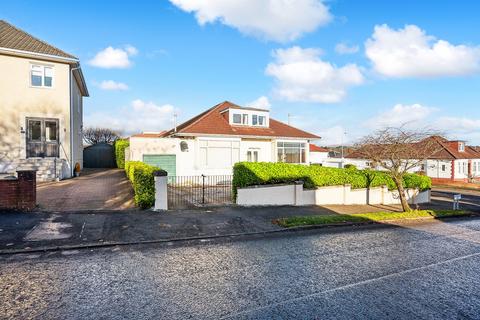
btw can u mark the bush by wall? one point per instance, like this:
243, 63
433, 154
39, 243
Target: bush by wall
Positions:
143, 182
120, 146
257, 173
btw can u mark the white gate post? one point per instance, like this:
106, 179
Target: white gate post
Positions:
161, 190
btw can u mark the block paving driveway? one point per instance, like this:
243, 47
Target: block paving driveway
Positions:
95, 189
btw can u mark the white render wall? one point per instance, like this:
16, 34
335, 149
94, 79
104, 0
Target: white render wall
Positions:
294, 194
318, 157
189, 163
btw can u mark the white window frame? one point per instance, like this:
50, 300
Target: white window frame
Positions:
304, 148
252, 155
461, 146
43, 71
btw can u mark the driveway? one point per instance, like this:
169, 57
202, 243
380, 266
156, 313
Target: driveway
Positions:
95, 189
442, 198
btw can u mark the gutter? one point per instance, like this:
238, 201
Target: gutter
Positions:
34, 54
71, 119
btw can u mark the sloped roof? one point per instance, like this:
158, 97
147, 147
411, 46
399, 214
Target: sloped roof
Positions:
315, 148
446, 150
13, 38
212, 122
149, 135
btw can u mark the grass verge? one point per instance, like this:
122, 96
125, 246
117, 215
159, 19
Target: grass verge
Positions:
366, 217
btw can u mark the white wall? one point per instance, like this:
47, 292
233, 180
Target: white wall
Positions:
439, 169
294, 194
222, 152
318, 157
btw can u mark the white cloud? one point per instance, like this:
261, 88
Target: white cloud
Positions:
139, 116
410, 52
260, 103
400, 114
112, 85
111, 57
279, 20
302, 75
333, 136
343, 48
466, 125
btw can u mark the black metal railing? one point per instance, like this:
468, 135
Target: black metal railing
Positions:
197, 191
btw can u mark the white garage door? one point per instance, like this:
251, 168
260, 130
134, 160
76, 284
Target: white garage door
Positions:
219, 154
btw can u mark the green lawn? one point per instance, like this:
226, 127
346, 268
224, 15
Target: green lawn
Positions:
365, 217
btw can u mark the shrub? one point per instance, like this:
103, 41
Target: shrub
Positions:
257, 173
350, 166
120, 146
143, 182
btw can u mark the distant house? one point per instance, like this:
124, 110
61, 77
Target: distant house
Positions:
41, 91
213, 141
318, 155
454, 161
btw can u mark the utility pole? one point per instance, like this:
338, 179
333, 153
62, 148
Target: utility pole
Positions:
341, 142
175, 122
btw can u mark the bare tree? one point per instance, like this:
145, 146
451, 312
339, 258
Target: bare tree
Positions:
398, 151
100, 135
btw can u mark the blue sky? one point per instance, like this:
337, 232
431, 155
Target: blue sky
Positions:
336, 66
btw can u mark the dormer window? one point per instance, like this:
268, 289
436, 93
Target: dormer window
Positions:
237, 118
461, 146
254, 118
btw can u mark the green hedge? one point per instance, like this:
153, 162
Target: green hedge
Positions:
120, 146
143, 182
257, 173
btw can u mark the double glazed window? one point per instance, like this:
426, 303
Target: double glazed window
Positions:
42, 137
41, 76
291, 152
258, 120
239, 118
252, 155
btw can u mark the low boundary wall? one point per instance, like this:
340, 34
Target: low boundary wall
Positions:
296, 195
19, 193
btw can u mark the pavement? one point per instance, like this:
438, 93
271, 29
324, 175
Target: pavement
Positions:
416, 271
94, 189
31, 231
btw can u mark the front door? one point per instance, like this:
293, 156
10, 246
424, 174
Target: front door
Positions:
42, 137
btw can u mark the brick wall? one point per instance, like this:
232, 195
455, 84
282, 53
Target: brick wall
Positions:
19, 193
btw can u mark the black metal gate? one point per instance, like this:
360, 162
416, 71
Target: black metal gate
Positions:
198, 191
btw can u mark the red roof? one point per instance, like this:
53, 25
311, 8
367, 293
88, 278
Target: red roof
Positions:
213, 122
447, 150
315, 148
149, 135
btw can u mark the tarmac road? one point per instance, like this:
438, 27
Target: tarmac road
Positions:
428, 271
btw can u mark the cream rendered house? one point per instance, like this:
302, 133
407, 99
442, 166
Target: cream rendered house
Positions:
41, 92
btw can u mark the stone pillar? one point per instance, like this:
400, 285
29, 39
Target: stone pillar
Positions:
27, 189
161, 190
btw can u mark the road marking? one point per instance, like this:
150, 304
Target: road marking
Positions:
81, 231
352, 285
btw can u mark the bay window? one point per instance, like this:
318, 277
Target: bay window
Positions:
291, 152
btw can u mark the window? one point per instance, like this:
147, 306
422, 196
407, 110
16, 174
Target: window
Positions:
244, 118
237, 118
252, 155
461, 146
254, 120
261, 120
444, 168
291, 152
41, 76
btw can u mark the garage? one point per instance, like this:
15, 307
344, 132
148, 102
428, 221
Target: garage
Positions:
166, 162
